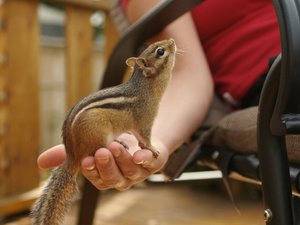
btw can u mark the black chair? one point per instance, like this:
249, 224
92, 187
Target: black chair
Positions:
273, 160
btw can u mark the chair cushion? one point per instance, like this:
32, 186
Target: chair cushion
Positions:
237, 131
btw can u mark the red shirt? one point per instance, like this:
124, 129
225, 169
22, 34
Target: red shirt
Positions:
239, 38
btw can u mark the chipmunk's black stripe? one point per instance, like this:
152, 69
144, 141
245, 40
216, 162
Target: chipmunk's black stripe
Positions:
99, 98
96, 97
117, 106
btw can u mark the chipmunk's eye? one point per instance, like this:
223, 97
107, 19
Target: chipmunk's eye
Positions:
160, 52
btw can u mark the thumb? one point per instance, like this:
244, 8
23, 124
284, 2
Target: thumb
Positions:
52, 157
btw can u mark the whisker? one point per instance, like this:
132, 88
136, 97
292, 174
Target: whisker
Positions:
179, 53
180, 50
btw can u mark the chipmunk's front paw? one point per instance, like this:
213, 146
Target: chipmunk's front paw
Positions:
122, 143
155, 153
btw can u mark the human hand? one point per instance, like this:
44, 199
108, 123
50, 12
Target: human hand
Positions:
114, 166
119, 168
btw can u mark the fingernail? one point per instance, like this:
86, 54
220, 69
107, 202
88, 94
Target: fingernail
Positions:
103, 159
141, 162
90, 168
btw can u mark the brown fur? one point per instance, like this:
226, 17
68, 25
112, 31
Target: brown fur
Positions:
100, 118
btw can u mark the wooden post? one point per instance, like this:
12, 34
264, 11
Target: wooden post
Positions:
79, 43
90, 4
19, 97
3, 71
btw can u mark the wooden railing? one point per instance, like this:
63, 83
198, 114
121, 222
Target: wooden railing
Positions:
91, 4
19, 89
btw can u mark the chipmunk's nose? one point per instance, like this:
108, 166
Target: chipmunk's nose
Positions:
172, 44
172, 41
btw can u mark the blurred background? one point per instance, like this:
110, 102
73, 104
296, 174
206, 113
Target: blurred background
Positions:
52, 53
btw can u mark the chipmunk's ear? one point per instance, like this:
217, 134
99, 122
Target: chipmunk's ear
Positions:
141, 62
131, 62
148, 70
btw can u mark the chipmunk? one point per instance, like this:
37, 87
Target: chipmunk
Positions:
100, 118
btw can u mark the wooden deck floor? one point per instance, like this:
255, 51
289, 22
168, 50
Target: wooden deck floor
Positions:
193, 203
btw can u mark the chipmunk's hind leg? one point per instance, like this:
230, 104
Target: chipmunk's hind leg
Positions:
90, 134
122, 143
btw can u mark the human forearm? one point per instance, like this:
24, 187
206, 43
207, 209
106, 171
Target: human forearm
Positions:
183, 109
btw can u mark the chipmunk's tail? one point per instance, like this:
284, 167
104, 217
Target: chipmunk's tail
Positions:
57, 196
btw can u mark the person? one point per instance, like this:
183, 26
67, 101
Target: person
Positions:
228, 46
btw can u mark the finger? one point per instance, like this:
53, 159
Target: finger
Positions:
52, 157
145, 158
88, 163
128, 168
91, 173
108, 170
